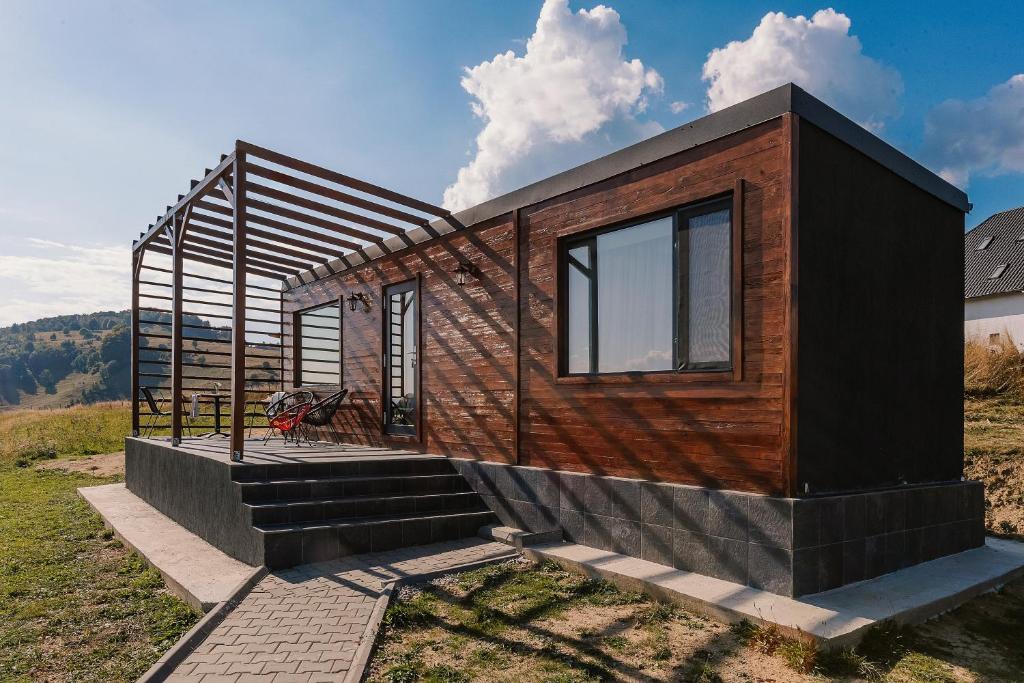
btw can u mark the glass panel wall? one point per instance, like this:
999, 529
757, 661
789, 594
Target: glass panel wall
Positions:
319, 342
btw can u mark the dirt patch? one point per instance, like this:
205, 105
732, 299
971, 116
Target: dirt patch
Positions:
106, 465
994, 454
1004, 491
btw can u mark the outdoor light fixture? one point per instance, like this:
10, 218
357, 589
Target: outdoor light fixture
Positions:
465, 269
354, 299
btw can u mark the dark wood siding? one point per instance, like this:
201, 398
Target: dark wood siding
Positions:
465, 351
721, 433
724, 432
880, 370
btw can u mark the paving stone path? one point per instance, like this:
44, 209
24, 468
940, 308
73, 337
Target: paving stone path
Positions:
307, 623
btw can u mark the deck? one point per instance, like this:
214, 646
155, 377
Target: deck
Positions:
275, 452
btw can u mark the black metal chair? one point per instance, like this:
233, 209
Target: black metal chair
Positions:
322, 414
156, 410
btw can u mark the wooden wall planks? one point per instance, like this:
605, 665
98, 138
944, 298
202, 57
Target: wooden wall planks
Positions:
723, 433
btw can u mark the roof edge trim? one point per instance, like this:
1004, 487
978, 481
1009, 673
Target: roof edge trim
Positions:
754, 111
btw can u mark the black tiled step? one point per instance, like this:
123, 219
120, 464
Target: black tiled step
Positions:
319, 509
380, 467
289, 545
337, 487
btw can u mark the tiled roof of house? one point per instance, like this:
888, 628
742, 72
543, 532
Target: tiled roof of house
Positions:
994, 255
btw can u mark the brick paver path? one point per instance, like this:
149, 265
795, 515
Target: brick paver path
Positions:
305, 624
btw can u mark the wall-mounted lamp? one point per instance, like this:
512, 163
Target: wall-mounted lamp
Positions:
355, 299
464, 270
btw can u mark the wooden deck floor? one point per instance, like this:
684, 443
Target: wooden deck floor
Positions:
276, 452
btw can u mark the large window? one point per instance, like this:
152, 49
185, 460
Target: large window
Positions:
318, 345
650, 297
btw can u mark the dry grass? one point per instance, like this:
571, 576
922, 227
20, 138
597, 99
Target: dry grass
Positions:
993, 370
29, 435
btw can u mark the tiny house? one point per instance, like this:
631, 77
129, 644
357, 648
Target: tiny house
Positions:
734, 348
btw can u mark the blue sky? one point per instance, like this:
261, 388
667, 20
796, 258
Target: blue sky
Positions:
111, 107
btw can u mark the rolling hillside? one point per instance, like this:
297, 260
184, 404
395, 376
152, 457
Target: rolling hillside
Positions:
71, 359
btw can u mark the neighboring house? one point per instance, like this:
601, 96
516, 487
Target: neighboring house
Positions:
994, 280
735, 348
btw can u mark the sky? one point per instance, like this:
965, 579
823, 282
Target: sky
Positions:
109, 108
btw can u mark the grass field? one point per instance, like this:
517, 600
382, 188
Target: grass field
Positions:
74, 604
521, 623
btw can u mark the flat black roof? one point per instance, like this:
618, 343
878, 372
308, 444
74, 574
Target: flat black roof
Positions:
756, 110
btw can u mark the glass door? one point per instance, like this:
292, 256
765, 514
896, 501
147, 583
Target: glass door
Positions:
401, 366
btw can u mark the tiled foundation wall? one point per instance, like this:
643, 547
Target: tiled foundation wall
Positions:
787, 546
196, 492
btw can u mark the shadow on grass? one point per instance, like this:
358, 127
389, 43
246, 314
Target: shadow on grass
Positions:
503, 598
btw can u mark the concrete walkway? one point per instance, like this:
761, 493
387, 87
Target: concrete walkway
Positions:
318, 622
839, 617
194, 570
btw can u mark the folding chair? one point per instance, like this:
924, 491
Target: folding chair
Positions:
156, 410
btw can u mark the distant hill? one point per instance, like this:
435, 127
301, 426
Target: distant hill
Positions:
72, 359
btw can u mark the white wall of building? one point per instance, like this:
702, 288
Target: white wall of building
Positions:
1000, 314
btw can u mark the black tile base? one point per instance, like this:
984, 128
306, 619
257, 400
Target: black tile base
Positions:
789, 546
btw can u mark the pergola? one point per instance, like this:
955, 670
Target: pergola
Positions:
211, 271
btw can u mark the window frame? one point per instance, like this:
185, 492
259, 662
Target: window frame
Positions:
731, 199
414, 285
297, 380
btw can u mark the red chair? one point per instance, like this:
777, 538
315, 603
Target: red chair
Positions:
286, 414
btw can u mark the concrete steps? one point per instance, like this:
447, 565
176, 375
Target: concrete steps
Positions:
287, 545
331, 508
313, 512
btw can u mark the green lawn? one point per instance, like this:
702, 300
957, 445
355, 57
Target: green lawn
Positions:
518, 622
74, 604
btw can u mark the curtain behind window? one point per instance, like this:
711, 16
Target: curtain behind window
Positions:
634, 301
709, 274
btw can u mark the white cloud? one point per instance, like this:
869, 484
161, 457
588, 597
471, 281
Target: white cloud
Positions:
571, 82
818, 54
985, 135
679, 107
63, 279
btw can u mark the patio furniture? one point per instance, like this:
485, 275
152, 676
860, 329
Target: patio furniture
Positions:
216, 398
285, 415
156, 410
322, 413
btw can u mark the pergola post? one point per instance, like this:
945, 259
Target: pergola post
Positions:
238, 307
136, 337
177, 282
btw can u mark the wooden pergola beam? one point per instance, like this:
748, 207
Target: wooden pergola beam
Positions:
137, 256
266, 245
339, 178
327, 209
294, 215
237, 434
222, 263
197, 190
304, 232
177, 280
220, 243
337, 195
315, 237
